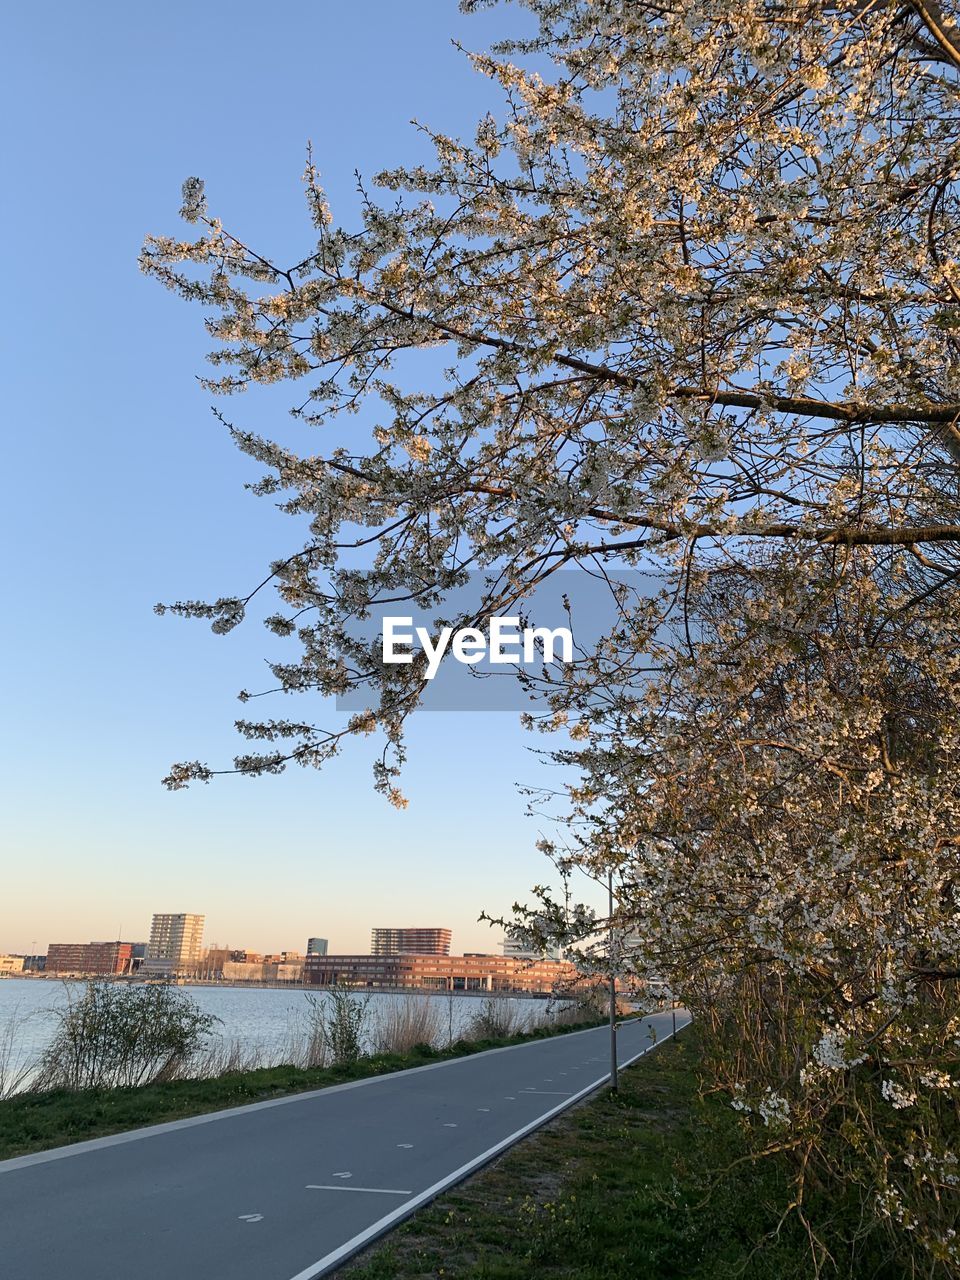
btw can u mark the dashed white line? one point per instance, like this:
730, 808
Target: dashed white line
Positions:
373, 1191
15, 1163
352, 1246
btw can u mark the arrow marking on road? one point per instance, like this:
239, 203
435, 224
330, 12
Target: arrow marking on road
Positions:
343, 1175
449, 1124
407, 1146
251, 1217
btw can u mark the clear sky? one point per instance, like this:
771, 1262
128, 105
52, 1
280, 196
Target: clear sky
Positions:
121, 490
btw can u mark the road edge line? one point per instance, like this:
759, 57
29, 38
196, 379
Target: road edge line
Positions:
379, 1228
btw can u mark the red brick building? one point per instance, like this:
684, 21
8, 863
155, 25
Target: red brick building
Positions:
90, 959
443, 973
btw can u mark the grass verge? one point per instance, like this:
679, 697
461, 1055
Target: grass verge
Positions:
614, 1189
36, 1121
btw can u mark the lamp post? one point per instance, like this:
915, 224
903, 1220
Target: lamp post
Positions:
613, 991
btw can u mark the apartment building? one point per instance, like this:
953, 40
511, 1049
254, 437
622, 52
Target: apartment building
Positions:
421, 942
176, 944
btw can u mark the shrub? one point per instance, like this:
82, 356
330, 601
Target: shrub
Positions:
113, 1035
344, 1017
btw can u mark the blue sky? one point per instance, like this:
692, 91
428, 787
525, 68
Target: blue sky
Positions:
122, 490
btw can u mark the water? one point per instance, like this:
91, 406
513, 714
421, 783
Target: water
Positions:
261, 1023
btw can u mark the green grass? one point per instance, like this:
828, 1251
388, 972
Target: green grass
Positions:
36, 1121
614, 1189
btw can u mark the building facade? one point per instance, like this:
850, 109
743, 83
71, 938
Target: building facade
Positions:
90, 959
317, 946
175, 946
421, 942
260, 971
11, 964
518, 950
410, 972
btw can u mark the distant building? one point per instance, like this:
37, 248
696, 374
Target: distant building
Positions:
317, 946
90, 959
518, 950
11, 964
445, 973
175, 944
213, 960
34, 964
417, 942
270, 969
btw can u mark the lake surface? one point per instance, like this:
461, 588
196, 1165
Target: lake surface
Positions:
260, 1024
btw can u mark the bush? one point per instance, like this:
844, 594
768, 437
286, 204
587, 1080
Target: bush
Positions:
113, 1035
344, 1018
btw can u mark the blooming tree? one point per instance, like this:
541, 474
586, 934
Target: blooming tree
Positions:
696, 292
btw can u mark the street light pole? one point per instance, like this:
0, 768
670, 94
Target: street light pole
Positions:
613, 992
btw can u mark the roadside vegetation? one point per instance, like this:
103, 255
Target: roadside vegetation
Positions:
654, 1180
105, 1071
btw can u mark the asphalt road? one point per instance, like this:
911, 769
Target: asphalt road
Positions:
288, 1189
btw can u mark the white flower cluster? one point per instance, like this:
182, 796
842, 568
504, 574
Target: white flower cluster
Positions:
898, 1097
774, 1108
830, 1052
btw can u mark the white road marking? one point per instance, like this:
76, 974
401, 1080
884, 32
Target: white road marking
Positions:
237, 1113
557, 1093
449, 1125
483, 1108
350, 1247
374, 1191
343, 1175
251, 1217
509, 1098
407, 1146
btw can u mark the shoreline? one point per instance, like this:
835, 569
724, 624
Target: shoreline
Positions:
208, 983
